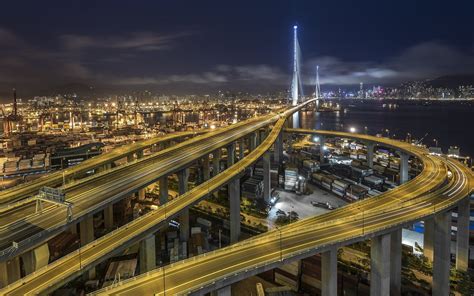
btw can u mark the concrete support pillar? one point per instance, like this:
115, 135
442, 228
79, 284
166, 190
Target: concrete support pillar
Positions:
278, 148
9, 271
403, 167
216, 160
462, 235
141, 194
206, 173
370, 154
289, 140
226, 291
428, 238
380, 266
296, 120
35, 259
259, 137
234, 208
329, 273
230, 155
396, 263
216, 165
4, 281
184, 215
163, 190
73, 228
322, 143
86, 229
147, 254
130, 158
241, 148
253, 141
109, 216
139, 154
442, 254
266, 177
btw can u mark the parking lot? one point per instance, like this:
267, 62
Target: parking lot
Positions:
301, 204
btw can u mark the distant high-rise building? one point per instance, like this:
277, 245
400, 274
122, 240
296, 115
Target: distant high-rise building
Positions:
361, 91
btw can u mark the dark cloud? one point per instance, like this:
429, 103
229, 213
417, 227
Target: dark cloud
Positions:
422, 61
94, 59
147, 41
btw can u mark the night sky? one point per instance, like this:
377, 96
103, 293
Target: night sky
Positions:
201, 46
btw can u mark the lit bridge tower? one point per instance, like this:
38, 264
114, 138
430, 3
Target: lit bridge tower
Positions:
317, 92
296, 81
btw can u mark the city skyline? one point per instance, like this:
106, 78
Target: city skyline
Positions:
212, 46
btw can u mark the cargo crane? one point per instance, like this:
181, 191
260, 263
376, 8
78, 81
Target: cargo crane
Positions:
14, 118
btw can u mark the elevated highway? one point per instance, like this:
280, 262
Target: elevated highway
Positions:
29, 229
417, 199
414, 201
145, 174
17, 193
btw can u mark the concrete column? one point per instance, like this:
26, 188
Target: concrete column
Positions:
241, 148
184, 215
403, 167
147, 254
226, 291
266, 177
259, 137
130, 158
216, 166
9, 271
216, 160
370, 154
86, 229
296, 120
428, 238
109, 216
329, 273
230, 155
163, 190
278, 148
139, 154
4, 280
289, 140
234, 208
141, 194
322, 143
462, 236
396, 263
35, 259
380, 266
206, 174
73, 228
253, 141
442, 254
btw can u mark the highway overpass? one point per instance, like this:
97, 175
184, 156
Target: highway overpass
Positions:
428, 197
101, 162
430, 193
29, 229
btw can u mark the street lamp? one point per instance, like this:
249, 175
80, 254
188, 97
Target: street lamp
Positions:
436, 142
352, 129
